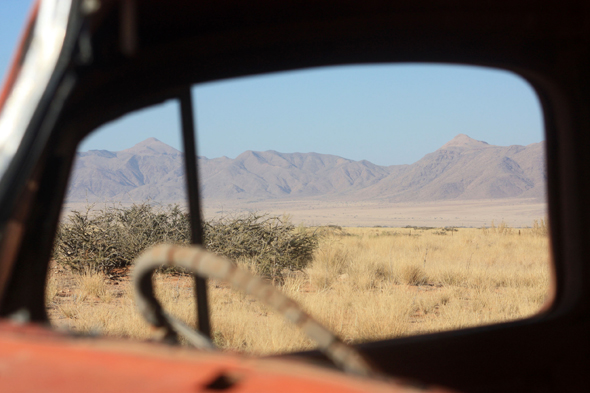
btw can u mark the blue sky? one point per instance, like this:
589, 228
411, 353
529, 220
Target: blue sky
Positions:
387, 114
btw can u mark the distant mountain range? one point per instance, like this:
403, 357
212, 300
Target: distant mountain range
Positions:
464, 168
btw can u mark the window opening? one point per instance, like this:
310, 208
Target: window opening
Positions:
366, 193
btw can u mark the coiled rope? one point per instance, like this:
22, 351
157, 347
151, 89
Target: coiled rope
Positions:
198, 261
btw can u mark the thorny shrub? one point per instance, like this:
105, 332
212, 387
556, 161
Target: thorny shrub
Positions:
114, 236
272, 243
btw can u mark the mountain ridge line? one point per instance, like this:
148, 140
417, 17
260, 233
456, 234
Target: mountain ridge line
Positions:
462, 169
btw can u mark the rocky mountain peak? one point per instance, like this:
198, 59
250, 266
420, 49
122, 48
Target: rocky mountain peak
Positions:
150, 147
463, 141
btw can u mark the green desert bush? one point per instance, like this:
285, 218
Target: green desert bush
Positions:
273, 243
114, 236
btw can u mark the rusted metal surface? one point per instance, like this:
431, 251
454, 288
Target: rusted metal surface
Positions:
35, 359
13, 235
206, 264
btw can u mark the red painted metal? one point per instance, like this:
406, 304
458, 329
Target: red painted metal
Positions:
36, 359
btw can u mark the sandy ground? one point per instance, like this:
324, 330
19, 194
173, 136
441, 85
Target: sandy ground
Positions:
470, 213
514, 212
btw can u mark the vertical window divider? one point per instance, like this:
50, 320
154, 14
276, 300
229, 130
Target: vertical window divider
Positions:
194, 204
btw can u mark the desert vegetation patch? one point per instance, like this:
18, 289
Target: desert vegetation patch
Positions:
363, 283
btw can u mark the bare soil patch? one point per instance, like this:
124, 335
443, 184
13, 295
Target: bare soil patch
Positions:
468, 213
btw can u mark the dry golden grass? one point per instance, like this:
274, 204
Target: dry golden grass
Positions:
364, 283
